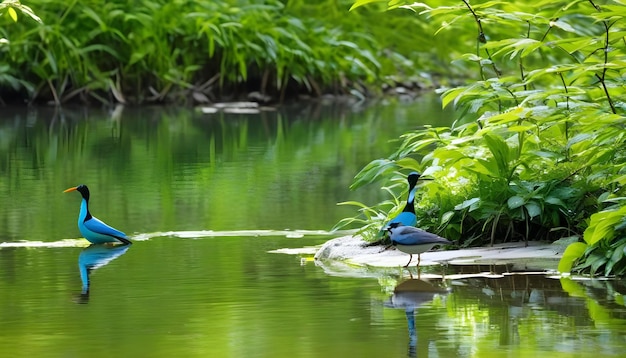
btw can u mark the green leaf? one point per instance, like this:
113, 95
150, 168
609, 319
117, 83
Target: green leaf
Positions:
509, 116
467, 203
602, 225
515, 202
563, 26
360, 3
408, 163
501, 153
12, 14
596, 262
616, 257
450, 96
555, 201
572, 253
355, 203
445, 218
533, 209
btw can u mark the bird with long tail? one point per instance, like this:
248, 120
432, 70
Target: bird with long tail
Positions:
412, 240
93, 229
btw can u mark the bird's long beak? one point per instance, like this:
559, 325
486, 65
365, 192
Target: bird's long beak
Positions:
422, 178
70, 189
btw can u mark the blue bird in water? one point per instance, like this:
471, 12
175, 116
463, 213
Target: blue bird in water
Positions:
412, 240
407, 216
92, 229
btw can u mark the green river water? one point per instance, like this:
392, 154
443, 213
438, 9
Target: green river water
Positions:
207, 199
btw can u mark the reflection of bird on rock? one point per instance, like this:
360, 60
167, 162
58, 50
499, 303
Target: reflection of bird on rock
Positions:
94, 230
407, 216
409, 295
412, 240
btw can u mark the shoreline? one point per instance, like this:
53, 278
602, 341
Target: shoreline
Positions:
351, 251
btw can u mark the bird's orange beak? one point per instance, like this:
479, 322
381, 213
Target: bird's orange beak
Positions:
70, 189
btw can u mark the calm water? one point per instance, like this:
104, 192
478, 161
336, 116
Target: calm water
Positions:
207, 199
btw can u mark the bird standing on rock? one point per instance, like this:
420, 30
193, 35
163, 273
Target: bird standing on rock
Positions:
94, 230
412, 240
407, 216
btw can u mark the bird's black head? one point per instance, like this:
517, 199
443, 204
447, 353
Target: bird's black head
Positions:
413, 178
82, 189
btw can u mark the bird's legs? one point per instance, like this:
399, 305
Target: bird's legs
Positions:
410, 258
418, 266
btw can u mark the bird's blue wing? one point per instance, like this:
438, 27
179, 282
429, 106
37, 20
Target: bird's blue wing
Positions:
406, 239
415, 236
99, 227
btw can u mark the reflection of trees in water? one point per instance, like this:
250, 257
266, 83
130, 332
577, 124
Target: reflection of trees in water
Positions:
489, 307
512, 300
178, 160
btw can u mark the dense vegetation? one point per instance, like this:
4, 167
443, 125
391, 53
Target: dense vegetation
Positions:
540, 150
196, 51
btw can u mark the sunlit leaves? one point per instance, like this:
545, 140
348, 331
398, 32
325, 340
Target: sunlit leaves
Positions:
604, 247
470, 204
559, 23
12, 5
572, 253
545, 130
12, 14
360, 3
602, 225
515, 47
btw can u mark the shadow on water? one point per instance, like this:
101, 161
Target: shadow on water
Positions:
93, 257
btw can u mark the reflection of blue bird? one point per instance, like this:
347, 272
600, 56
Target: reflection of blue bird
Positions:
90, 227
95, 256
413, 240
409, 295
407, 216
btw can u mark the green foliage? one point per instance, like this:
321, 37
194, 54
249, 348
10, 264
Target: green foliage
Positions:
7, 78
541, 134
155, 51
10, 6
605, 242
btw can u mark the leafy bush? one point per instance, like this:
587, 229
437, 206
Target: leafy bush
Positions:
154, 51
539, 151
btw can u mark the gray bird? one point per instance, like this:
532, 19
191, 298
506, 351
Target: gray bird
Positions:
412, 240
